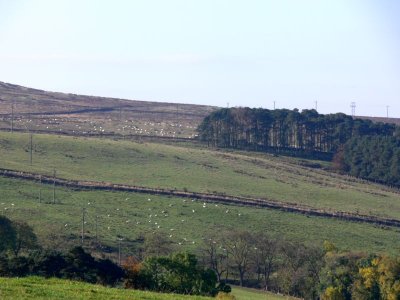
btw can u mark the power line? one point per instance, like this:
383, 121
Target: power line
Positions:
353, 109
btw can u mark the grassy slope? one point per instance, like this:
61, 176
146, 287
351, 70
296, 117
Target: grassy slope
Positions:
40, 288
252, 294
119, 214
199, 170
96, 115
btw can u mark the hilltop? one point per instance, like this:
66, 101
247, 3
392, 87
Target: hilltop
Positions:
39, 110
55, 112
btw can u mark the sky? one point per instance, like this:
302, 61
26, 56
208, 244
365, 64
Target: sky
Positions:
298, 54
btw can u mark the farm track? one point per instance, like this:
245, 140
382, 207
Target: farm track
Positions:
216, 198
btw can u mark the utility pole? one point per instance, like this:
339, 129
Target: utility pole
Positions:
12, 117
54, 186
316, 105
274, 105
387, 111
353, 109
83, 225
30, 150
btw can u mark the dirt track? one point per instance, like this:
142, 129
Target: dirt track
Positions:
225, 199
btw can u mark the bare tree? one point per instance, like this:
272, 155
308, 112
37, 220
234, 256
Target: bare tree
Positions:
216, 257
239, 245
156, 244
265, 257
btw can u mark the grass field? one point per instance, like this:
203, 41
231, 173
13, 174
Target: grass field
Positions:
40, 288
184, 222
252, 294
198, 170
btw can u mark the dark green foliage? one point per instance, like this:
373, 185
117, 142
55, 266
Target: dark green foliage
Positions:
3, 266
16, 236
371, 151
19, 266
25, 238
108, 273
179, 274
49, 264
223, 287
76, 265
80, 266
373, 158
285, 130
7, 234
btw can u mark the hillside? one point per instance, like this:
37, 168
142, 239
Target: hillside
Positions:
40, 288
127, 215
39, 110
55, 112
381, 119
200, 170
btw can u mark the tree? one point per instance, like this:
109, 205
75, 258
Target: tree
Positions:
25, 238
338, 275
216, 257
265, 257
49, 263
156, 244
388, 270
80, 266
108, 273
180, 274
7, 234
135, 277
239, 245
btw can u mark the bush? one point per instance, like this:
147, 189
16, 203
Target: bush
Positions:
175, 274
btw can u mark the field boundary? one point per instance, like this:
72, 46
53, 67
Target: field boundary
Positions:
206, 197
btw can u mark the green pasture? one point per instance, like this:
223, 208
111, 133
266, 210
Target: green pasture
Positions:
183, 222
195, 169
40, 288
252, 294
53, 288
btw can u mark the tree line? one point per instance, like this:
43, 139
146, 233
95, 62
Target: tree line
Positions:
357, 146
374, 158
257, 260
252, 259
21, 255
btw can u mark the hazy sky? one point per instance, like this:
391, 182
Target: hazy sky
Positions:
245, 52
